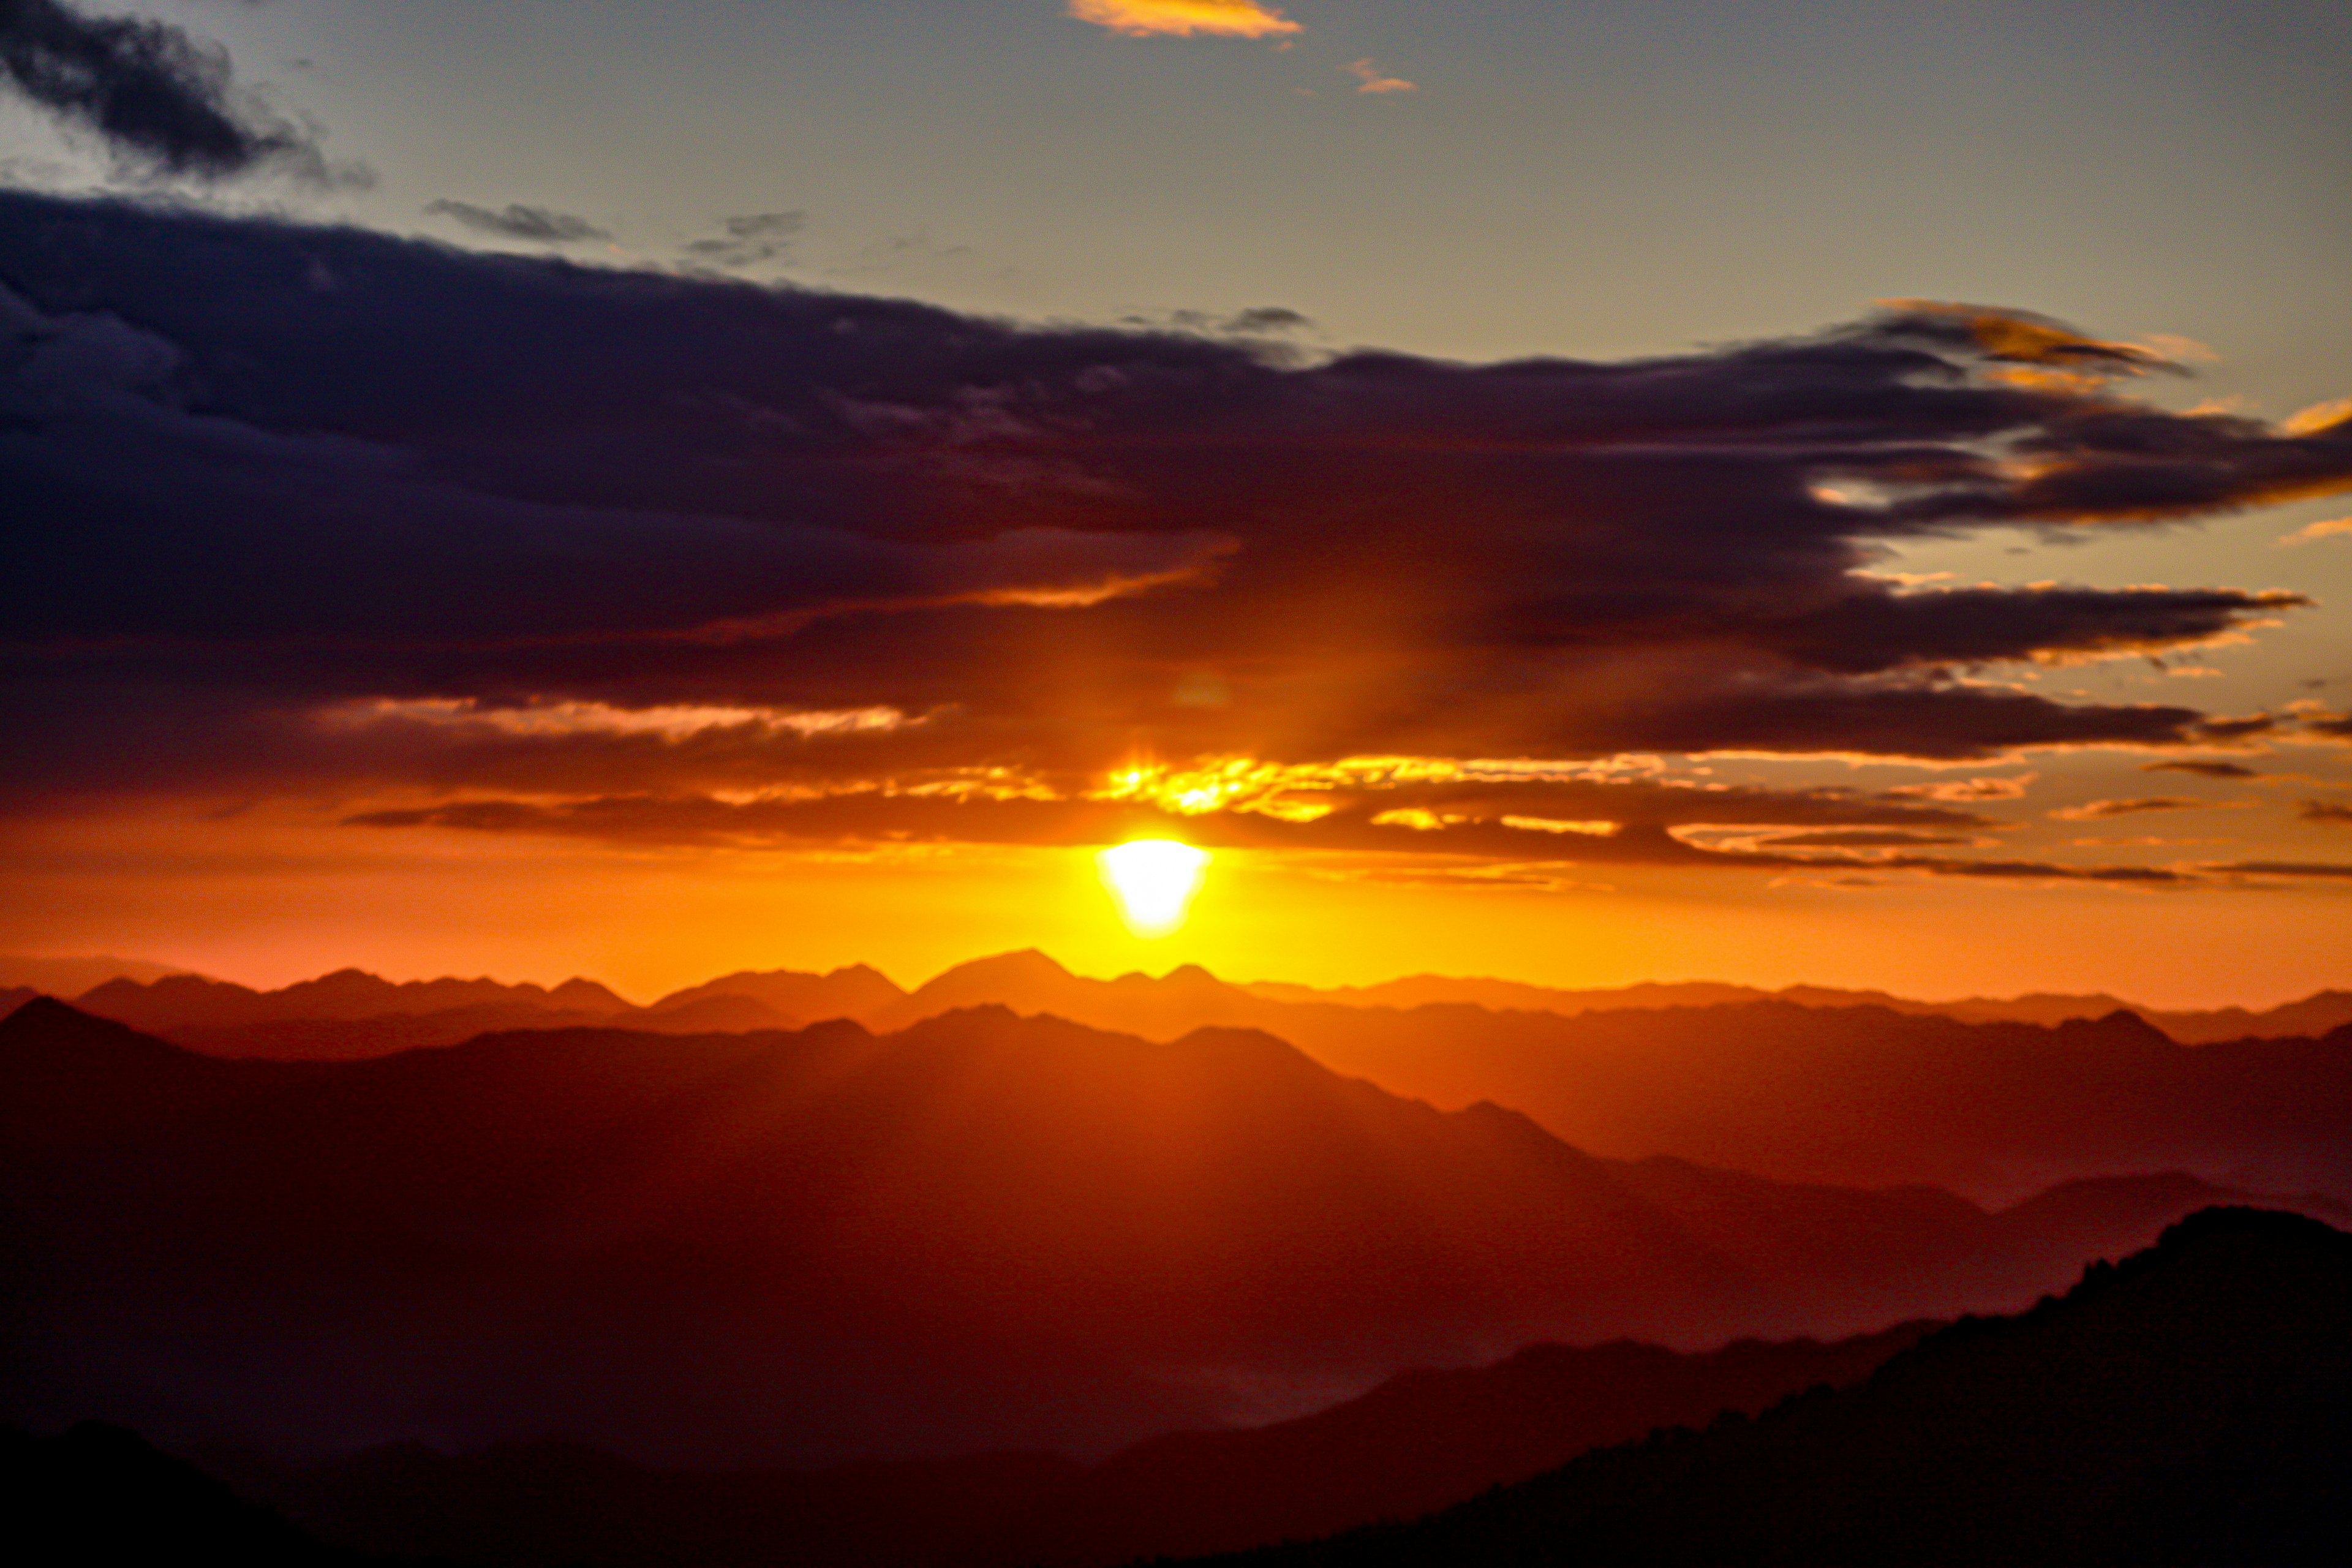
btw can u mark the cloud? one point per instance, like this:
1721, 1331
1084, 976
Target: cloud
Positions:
1970, 789
1859, 838
2326, 813
747, 239
2202, 769
2328, 726
2312, 531
1185, 19
2316, 869
516, 221
1369, 80
152, 94
2100, 810
549, 532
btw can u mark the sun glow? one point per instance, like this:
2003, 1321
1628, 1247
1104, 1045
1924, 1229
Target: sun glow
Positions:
1154, 880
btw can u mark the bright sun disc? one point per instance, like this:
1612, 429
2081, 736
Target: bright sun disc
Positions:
1154, 880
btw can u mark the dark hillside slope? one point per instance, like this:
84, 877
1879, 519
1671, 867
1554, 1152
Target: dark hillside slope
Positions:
2192, 1404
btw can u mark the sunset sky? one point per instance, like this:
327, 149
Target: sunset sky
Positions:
1580, 492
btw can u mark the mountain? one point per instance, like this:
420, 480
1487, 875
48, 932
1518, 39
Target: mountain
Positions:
2314, 1015
1418, 1442
2192, 1405
857, 991
337, 1039
68, 1080
981, 1232
97, 1494
72, 977
1865, 1097
350, 1014
553, 1505
1861, 1096
182, 1001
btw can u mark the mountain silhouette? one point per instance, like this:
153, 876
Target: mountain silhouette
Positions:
2190, 1404
1418, 1442
981, 1232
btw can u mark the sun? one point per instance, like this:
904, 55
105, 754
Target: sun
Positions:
1154, 880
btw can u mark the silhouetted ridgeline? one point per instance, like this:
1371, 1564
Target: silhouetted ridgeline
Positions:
1418, 1442
982, 1233
2190, 1406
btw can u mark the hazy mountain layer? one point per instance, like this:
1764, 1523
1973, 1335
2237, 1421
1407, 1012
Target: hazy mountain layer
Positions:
981, 1232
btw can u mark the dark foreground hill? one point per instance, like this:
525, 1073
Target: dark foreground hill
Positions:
2190, 1406
1419, 1442
982, 1232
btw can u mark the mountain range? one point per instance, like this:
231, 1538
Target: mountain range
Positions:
1853, 1094
983, 1231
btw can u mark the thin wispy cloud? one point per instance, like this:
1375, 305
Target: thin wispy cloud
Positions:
1369, 78
1185, 19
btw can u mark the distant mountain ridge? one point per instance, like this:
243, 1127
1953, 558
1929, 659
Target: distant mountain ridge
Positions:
983, 1231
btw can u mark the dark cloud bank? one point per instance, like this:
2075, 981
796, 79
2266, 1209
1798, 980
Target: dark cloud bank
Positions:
297, 507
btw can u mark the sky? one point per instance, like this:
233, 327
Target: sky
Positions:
1851, 494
